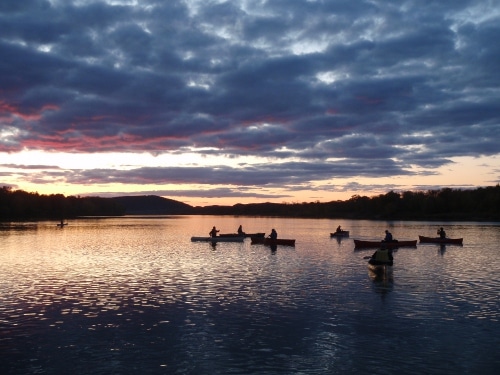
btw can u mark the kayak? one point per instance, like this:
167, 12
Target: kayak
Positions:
217, 239
390, 245
243, 235
344, 233
456, 241
269, 241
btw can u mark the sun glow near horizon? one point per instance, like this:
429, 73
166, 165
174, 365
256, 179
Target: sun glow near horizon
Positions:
44, 172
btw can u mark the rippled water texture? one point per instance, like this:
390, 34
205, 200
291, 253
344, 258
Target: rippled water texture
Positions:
135, 295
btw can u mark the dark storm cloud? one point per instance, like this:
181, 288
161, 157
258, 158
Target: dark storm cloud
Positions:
368, 88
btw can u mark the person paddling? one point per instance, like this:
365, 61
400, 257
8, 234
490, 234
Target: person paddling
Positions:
273, 235
388, 236
441, 233
213, 232
382, 256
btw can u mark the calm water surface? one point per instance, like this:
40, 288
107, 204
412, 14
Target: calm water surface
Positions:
135, 296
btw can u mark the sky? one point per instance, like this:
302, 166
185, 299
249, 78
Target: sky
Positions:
249, 101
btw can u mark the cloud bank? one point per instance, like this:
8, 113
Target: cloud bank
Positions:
323, 89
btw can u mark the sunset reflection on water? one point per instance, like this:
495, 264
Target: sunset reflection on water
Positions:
128, 294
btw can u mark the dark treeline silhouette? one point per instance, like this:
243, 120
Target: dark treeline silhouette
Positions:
446, 204
479, 204
21, 205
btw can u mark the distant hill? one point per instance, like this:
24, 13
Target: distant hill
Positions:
479, 204
152, 205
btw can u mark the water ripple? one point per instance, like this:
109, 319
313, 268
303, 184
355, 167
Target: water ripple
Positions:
112, 298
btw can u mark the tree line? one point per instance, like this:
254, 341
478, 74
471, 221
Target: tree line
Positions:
22, 205
480, 204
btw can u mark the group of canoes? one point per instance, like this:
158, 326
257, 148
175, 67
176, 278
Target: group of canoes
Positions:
239, 236
382, 259
387, 243
390, 242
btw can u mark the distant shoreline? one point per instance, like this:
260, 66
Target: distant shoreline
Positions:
479, 205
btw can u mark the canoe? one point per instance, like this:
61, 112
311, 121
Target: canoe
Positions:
243, 235
374, 262
217, 239
380, 269
344, 233
269, 241
390, 245
456, 241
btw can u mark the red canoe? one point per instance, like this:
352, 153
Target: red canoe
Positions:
456, 241
391, 245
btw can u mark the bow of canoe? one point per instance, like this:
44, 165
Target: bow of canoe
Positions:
390, 245
456, 241
217, 239
380, 270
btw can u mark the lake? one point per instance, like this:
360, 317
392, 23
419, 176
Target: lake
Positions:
134, 295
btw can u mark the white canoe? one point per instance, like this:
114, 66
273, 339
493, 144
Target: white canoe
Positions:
218, 239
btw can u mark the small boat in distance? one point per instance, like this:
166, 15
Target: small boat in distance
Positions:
455, 241
270, 241
217, 239
342, 233
390, 245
